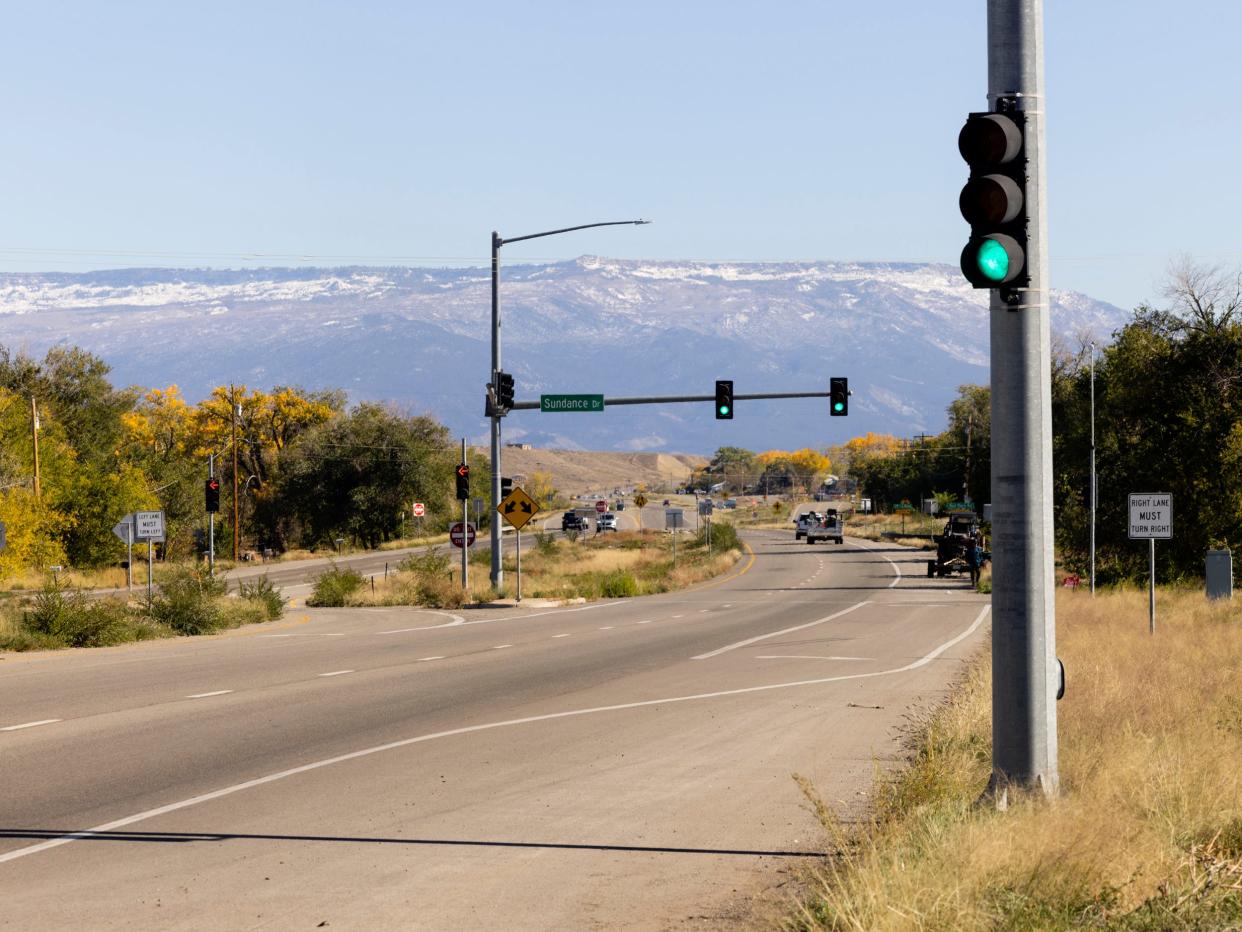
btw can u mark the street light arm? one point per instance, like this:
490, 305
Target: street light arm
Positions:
501, 241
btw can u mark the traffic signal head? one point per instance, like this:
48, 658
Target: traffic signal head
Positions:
504, 390
724, 399
212, 491
993, 201
463, 481
838, 396
506, 486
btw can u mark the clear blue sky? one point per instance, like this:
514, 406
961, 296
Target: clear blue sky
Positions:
175, 134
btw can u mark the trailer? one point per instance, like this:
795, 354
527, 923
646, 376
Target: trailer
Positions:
830, 527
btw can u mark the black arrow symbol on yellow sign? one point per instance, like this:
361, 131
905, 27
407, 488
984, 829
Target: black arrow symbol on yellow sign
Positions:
511, 507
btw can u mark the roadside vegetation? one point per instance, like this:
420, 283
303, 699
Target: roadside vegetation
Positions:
1147, 831
605, 566
188, 602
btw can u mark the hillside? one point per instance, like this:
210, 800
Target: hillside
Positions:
578, 471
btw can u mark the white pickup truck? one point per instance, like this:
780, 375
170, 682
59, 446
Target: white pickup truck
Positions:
805, 520
830, 527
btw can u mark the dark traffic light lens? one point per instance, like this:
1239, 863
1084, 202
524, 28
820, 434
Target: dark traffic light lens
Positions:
992, 200
991, 139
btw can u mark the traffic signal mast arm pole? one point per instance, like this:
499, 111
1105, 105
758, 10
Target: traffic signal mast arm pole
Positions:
498, 241
673, 399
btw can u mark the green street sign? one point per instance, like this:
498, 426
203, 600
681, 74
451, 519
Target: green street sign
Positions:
555, 403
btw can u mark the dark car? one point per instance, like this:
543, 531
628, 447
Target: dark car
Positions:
573, 522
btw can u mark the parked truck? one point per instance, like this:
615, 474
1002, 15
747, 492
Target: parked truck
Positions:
951, 545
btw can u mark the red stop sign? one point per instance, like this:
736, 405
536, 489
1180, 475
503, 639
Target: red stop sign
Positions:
601, 507
462, 535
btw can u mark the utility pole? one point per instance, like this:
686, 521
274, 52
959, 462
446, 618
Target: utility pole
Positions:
236, 510
1025, 673
211, 521
1092, 480
34, 435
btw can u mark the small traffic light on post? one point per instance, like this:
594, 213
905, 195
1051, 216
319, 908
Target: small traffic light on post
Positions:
724, 399
993, 201
838, 396
504, 391
463, 482
506, 486
212, 490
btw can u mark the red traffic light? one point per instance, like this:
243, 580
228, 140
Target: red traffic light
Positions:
213, 484
463, 470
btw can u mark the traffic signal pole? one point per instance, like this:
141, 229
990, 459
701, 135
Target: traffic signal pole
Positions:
211, 522
497, 568
465, 530
1025, 674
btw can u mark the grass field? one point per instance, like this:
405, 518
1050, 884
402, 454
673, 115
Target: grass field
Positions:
1147, 830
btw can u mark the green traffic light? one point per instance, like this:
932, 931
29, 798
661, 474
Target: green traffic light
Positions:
992, 260
838, 406
724, 409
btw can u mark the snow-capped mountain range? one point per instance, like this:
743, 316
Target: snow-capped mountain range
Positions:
906, 335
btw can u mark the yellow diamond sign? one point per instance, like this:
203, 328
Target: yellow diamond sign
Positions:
517, 508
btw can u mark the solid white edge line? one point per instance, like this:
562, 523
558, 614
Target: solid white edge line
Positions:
806, 657
218, 692
45, 721
772, 634
337, 673
896, 568
468, 729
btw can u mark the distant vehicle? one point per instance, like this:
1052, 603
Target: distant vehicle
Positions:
830, 527
804, 521
618, 505
729, 503
666, 501
570, 521
606, 522
951, 545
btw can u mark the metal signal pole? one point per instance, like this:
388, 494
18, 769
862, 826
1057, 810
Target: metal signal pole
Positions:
236, 509
1025, 674
1093, 469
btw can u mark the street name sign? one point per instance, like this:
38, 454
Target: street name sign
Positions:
903, 505
149, 525
556, 403
517, 508
1151, 515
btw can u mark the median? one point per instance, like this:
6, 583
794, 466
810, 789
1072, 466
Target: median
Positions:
603, 566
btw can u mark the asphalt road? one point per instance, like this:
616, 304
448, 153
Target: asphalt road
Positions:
622, 764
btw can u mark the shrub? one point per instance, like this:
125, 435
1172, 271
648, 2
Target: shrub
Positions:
438, 592
724, 537
334, 586
188, 602
430, 562
619, 584
62, 617
545, 543
264, 594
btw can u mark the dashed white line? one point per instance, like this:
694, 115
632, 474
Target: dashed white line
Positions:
561, 635
501, 646
607, 627
679, 616
648, 621
44, 721
806, 657
425, 659
337, 673
218, 692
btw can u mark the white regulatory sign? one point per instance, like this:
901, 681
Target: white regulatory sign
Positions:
1151, 515
148, 525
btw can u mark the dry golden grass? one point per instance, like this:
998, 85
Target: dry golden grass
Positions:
1147, 832
111, 577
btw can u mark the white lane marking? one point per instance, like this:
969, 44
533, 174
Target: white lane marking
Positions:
337, 673
43, 721
772, 634
806, 657
423, 659
302, 635
218, 692
465, 730
649, 620
453, 622
727, 605
896, 568
501, 646
679, 616
704, 610
562, 635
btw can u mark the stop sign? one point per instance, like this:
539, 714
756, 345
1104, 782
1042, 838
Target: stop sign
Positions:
601, 507
419, 509
462, 535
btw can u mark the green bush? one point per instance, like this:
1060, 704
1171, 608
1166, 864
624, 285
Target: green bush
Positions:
264, 594
724, 537
334, 586
63, 617
545, 543
189, 602
619, 584
438, 592
430, 562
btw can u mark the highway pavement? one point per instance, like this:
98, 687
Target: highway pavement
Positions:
620, 764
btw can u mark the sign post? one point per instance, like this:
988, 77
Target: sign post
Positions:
149, 526
124, 529
674, 520
1151, 519
517, 508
